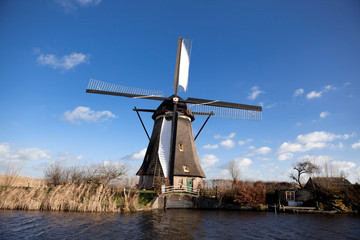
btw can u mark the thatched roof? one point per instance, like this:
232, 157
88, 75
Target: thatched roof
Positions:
326, 182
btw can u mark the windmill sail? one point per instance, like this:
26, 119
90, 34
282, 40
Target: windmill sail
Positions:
164, 146
224, 112
182, 65
100, 87
218, 103
224, 109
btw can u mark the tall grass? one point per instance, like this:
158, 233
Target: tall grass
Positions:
70, 197
19, 181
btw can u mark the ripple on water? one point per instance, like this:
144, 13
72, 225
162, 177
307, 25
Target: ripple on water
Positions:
176, 224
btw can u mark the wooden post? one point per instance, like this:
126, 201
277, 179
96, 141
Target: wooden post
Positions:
173, 141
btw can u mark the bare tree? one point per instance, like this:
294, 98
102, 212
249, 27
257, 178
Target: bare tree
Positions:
301, 168
11, 173
234, 171
105, 173
329, 169
76, 175
56, 174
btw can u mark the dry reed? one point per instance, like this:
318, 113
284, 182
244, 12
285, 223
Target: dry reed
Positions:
69, 197
19, 181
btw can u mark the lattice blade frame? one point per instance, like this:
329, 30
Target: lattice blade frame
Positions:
100, 87
223, 112
218, 103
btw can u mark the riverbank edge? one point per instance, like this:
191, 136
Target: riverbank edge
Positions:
212, 204
86, 198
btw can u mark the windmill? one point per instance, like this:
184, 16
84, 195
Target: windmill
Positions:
171, 153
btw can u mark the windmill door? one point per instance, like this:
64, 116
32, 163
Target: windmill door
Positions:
189, 184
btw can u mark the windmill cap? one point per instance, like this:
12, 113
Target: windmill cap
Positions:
168, 105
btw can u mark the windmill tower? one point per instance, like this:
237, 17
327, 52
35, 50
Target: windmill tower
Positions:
171, 153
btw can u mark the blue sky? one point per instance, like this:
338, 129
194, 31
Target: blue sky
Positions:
300, 60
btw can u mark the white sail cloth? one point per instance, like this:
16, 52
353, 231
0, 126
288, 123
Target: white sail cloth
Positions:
164, 146
184, 67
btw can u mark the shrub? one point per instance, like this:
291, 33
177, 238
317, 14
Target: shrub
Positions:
97, 174
145, 197
56, 174
250, 193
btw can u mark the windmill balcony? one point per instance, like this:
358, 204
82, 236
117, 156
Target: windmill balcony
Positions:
179, 189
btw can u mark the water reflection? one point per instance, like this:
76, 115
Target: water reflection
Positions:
176, 224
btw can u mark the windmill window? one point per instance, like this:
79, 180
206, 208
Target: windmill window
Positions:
181, 146
290, 195
186, 168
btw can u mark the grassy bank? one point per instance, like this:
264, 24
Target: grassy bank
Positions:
20, 181
73, 197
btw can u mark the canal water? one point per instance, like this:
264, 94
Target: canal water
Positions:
176, 224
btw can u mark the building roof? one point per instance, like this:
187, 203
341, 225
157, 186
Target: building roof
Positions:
326, 182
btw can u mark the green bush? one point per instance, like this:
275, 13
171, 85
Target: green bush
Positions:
146, 197
119, 201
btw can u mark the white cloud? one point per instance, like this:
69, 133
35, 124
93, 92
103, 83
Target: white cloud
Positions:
66, 62
231, 135
32, 154
255, 91
243, 163
72, 5
324, 114
317, 137
242, 142
86, 114
268, 165
7, 155
314, 94
298, 92
24, 154
354, 175
343, 165
263, 150
209, 146
139, 155
285, 156
136, 156
224, 173
347, 136
208, 160
329, 167
67, 158
356, 145
329, 87
268, 106
4, 149
227, 143
340, 145
310, 141
88, 2
298, 147
318, 160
